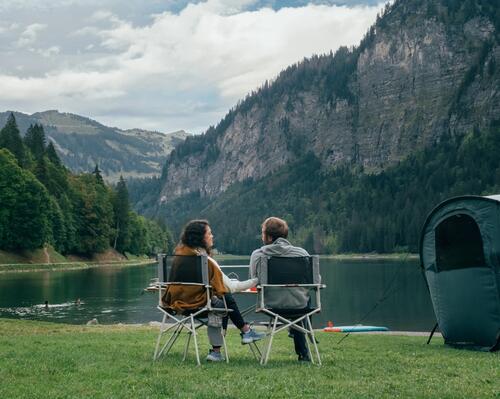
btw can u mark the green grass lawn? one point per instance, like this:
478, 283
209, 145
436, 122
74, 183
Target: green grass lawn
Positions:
44, 360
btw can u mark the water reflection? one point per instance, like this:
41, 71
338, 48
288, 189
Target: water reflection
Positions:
387, 293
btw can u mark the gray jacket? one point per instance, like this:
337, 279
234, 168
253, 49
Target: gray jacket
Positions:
286, 298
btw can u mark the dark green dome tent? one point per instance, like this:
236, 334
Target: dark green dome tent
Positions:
460, 257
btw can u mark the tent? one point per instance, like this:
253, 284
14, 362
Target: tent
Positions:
460, 258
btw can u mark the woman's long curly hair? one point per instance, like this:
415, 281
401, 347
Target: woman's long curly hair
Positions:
193, 234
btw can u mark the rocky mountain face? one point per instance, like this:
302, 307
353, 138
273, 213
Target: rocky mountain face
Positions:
82, 143
427, 68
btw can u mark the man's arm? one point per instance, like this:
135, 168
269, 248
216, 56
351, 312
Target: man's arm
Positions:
254, 263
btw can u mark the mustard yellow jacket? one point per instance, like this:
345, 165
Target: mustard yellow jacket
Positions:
184, 297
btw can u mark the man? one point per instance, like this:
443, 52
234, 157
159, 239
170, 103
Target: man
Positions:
274, 237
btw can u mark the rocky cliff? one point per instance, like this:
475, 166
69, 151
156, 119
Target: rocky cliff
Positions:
82, 143
425, 69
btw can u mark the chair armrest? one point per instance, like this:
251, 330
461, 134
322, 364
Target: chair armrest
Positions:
220, 310
292, 285
189, 284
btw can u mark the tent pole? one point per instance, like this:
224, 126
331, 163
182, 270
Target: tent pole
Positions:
432, 333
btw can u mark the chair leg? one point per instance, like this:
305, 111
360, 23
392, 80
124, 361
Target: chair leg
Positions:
170, 342
159, 338
225, 347
264, 347
308, 346
268, 349
257, 354
187, 346
314, 341
195, 341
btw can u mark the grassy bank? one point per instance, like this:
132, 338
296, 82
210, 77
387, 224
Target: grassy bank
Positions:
31, 267
43, 360
48, 258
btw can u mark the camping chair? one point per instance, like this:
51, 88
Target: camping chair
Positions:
289, 273
184, 270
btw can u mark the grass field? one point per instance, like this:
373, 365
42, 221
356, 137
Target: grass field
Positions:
44, 360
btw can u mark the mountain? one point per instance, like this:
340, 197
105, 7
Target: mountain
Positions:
82, 143
331, 142
425, 68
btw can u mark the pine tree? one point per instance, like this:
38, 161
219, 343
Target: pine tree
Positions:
93, 214
52, 154
97, 174
121, 206
10, 138
35, 140
41, 172
25, 209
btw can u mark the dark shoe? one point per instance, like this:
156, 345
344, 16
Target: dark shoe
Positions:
305, 358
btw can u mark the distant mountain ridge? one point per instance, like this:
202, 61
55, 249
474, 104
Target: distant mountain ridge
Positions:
82, 143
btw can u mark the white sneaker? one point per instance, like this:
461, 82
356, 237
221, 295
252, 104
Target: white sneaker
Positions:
214, 356
251, 336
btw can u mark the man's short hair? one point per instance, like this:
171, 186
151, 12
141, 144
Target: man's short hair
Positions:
275, 228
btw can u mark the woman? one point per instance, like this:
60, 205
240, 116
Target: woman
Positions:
197, 239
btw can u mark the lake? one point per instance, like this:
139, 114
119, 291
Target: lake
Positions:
370, 292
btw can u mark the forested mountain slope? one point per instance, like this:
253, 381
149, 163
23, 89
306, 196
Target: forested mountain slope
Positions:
426, 68
42, 202
353, 148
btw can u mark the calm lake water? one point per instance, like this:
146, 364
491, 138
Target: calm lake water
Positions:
385, 293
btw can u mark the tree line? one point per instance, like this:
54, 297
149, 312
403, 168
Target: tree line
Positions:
42, 202
347, 209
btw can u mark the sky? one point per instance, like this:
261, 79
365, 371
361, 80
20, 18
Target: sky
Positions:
161, 65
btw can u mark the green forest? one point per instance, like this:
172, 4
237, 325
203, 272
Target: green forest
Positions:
345, 209
42, 202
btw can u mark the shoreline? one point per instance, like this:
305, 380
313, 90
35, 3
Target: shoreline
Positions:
361, 256
64, 266
371, 256
156, 324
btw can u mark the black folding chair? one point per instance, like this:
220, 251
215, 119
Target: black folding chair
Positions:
184, 271
279, 277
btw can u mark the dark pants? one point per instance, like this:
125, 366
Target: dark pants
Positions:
235, 315
299, 341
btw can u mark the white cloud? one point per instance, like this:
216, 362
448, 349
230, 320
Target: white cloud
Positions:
86, 31
181, 70
49, 52
30, 34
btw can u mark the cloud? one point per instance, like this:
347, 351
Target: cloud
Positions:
86, 31
180, 70
30, 34
49, 52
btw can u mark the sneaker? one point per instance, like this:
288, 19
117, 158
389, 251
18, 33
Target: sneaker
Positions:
305, 358
251, 336
214, 356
